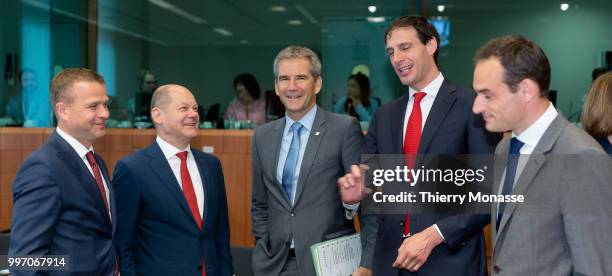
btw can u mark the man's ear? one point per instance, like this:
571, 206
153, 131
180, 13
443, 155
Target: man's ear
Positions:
61, 110
528, 89
318, 84
431, 46
156, 114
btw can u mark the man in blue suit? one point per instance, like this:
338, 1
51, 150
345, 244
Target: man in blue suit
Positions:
433, 118
172, 209
63, 202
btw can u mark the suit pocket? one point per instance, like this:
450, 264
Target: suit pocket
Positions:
325, 163
264, 245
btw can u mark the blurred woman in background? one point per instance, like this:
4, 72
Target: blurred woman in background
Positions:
597, 111
358, 102
247, 105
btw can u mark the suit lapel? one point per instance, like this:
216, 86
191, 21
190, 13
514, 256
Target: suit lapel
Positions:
397, 124
111, 192
314, 140
84, 176
536, 160
206, 185
273, 147
443, 102
501, 157
160, 166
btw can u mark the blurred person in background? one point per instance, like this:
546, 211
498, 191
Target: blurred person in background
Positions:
142, 100
358, 102
597, 111
246, 105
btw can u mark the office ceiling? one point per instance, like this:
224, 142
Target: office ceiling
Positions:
253, 22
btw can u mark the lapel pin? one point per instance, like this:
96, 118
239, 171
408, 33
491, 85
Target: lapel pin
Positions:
317, 133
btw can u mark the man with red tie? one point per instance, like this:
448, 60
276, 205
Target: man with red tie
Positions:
171, 204
63, 201
433, 118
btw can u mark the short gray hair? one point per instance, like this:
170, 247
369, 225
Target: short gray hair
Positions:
295, 51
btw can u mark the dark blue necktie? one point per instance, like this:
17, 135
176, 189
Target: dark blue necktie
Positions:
292, 158
513, 157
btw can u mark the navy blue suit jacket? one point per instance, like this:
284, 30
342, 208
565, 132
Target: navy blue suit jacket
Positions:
450, 128
156, 233
58, 210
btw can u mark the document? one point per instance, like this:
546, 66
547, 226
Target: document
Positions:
337, 257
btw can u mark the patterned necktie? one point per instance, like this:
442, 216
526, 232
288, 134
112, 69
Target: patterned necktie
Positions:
513, 157
412, 138
98, 176
188, 190
292, 158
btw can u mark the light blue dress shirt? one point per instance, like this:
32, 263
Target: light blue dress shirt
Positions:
307, 120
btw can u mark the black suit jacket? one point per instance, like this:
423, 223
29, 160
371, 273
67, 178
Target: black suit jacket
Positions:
450, 128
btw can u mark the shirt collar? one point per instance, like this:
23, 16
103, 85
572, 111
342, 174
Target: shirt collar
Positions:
80, 149
531, 136
307, 120
431, 89
169, 150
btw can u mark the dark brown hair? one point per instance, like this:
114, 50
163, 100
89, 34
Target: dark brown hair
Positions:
425, 30
520, 58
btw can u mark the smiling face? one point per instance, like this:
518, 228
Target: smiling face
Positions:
176, 118
502, 109
296, 86
412, 60
84, 113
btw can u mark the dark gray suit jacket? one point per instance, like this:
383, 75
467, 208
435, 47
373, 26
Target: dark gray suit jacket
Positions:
334, 144
563, 227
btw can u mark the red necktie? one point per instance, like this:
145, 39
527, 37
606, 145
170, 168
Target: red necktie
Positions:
190, 196
188, 190
98, 176
412, 139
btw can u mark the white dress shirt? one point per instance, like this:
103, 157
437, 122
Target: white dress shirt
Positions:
82, 151
431, 91
174, 161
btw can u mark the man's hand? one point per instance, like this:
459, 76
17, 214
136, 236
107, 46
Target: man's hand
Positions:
352, 185
416, 249
362, 271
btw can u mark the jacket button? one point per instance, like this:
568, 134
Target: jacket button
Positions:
497, 269
293, 214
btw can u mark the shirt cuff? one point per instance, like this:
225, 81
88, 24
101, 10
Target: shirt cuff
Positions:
438, 229
350, 210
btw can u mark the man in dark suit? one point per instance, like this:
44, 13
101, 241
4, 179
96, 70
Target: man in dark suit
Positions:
563, 225
433, 118
296, 163
171, 204
63, 202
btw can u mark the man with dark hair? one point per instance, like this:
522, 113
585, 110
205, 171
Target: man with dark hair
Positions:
172, 207
434, 117
563, 226
63, 201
